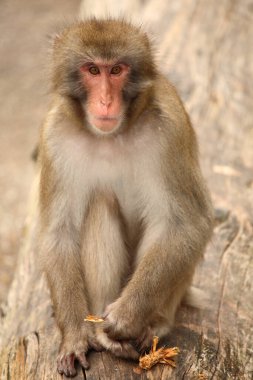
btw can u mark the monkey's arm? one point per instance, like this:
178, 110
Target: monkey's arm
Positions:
174, 238
160, 280
61, 262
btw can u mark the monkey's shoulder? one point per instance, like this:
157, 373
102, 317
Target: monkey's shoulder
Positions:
62, 121
174, 120
168, 101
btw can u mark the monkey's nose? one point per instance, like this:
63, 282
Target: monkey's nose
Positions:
106, 101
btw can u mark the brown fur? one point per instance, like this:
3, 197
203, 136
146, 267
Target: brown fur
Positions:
124, 218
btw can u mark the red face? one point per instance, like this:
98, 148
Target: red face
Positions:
104, 83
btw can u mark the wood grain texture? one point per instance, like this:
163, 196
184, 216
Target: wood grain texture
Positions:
205, 47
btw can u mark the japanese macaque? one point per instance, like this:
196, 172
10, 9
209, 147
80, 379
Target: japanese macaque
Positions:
125, 215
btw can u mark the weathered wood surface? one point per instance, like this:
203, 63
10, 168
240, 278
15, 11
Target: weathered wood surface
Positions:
206, 49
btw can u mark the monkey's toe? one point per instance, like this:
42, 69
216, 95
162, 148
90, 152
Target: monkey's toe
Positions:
66, 363
82, 360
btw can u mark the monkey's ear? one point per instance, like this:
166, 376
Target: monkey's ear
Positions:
55, 38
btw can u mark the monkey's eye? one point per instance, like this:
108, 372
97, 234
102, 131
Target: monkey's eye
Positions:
94, 70
116, 70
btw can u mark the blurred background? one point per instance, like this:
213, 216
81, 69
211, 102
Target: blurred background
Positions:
205, 48
25, 29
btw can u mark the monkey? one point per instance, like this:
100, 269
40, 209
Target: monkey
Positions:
124, 212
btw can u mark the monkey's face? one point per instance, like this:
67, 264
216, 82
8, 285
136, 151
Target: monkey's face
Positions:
107, 66
104, 106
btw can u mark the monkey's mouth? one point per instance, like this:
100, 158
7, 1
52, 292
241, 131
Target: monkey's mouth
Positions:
105, 124
105, 118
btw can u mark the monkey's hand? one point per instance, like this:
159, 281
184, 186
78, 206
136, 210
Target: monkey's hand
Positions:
74, 348
124, 322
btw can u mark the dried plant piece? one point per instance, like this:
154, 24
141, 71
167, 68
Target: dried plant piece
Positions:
93, 319
161, 355
138, 370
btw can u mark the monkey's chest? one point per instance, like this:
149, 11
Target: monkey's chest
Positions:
123, 170
134, 183
120, 180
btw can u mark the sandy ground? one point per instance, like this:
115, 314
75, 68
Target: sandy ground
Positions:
25, 28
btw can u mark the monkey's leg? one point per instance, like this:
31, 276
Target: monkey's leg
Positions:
149, 300
162, 319
105, 262
66, 281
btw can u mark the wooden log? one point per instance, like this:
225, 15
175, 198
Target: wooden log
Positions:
215, 343
206, 48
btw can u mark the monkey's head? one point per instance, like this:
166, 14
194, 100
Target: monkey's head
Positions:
105, 65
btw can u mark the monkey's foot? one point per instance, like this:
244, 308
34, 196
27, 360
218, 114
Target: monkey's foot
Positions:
66, 363
72, 353
122, 349
123, 322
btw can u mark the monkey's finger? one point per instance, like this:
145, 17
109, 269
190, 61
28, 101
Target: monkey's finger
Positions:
82, 360
114, 333
130, 351
145, 339
106, 312
124, 350
111, 332
109, 308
